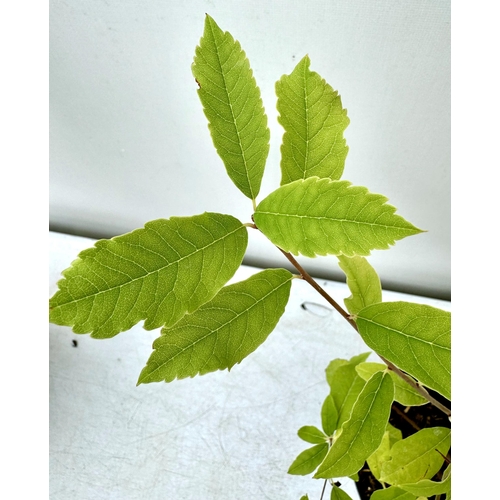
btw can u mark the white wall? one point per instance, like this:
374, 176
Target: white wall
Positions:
129, 141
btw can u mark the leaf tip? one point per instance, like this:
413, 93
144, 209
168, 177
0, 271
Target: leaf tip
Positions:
142, 377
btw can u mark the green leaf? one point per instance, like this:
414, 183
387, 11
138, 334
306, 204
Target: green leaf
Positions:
395, 434
156, 274
380, 455
392, 493
311, 434
377, 459
428, 488
304, 497
308, 460
404, 393
338, 494
332, 368
362, 434
329, 416
233, 106
223, 331
345, 385
417, 457
311, 114
320, 217
415, 337
363, 282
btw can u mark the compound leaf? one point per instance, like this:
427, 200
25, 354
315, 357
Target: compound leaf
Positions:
157, 274
311, 434
363, 282
233, 106
362, 434
223, 331
417, 457
404, 393
308, 460
319, 217
311, 114
415, 337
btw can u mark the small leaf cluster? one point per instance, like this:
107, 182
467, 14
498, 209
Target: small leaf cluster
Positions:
355, 430
173, 274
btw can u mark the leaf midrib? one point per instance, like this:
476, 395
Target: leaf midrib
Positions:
144, 276
240, 144
333, 219
216, 331
406, 335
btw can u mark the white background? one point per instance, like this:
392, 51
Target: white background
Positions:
129, 141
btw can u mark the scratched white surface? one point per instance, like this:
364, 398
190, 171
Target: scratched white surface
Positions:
220, 436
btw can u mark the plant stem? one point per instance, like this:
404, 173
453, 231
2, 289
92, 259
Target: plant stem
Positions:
405, 417
420, 389
323, 492
307, 277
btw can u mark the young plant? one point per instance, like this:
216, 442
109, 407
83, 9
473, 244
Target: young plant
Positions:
172, 273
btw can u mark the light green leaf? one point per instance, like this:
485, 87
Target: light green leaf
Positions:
333, 366
233, 106
392, 493
394, 433
362, 434
329, 416
345, 385
415, 337
156, 274
319, 217
311, 114
404, 393
428, 488
417, 457
311, 434
308, 460
382, 454
223, 331
363, 282
339, 494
